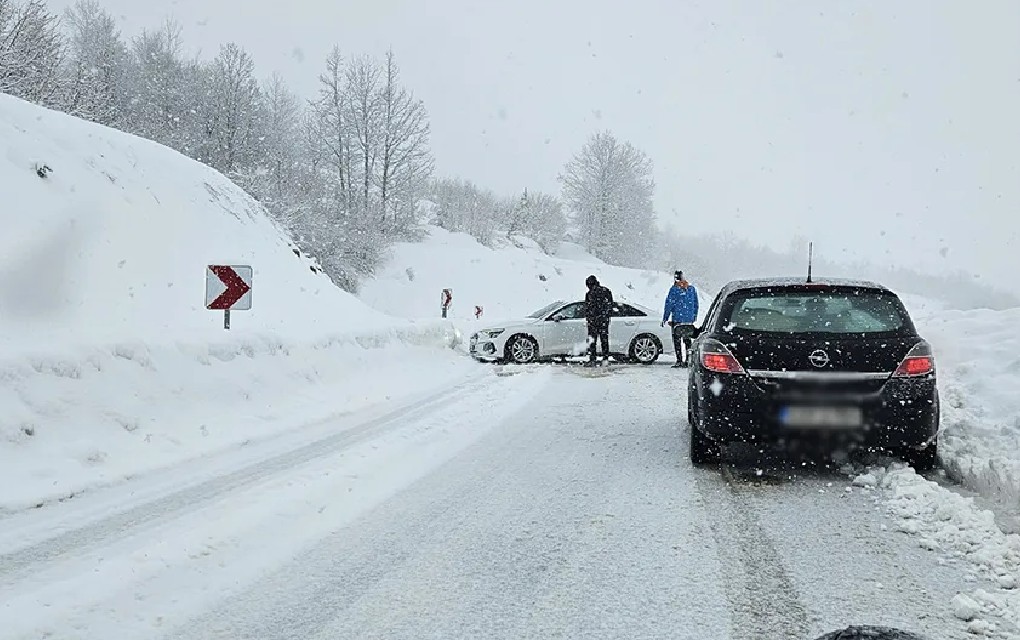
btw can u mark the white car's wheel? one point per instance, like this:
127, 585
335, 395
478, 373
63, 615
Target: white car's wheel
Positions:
522, 350
645, 349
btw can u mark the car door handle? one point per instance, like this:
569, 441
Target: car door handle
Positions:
630, 324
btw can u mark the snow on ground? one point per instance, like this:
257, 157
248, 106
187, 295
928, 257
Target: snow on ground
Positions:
508, 281
950, 524
137, 560
110, 363
549, 503
978, 358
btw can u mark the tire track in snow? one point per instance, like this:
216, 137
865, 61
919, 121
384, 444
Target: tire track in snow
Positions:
764, 602
154, 513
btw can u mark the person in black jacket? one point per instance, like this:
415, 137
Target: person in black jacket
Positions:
598, 308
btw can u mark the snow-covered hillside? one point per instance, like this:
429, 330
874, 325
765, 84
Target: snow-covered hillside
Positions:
112, 244
110, 362
509, 280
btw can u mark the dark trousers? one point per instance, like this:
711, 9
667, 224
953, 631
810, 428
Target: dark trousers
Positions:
598, 332
682, 340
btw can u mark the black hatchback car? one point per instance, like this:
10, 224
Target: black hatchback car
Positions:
834, 362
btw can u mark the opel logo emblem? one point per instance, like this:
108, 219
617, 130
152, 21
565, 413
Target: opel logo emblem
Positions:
819, 358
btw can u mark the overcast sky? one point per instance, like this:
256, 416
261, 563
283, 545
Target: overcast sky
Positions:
883, 130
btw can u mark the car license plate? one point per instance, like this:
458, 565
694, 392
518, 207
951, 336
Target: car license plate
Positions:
821, 417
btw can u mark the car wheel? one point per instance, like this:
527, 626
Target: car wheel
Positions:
522, 350
645, 349
703, 450
922, 459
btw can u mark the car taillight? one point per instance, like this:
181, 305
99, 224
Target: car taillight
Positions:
918, 362
718, 359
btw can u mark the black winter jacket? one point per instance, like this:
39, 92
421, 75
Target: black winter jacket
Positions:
598, 305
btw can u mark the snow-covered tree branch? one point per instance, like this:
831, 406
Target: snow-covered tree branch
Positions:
31, 52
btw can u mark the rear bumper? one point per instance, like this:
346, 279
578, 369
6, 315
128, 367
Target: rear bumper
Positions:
903, 413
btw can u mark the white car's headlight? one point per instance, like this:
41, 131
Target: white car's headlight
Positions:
491, 333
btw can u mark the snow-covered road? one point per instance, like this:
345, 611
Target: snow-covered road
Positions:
544, 502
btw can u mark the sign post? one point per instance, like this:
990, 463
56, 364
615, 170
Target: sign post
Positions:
227, 288
447, 300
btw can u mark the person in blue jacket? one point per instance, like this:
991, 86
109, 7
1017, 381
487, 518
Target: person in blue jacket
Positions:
681, 311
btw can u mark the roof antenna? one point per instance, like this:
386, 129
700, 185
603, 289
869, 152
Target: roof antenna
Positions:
810, 257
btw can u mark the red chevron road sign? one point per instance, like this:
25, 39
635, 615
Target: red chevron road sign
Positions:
228, 287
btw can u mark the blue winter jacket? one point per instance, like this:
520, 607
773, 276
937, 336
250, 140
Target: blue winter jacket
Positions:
681, 304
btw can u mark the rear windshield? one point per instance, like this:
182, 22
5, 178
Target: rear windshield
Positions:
829, 311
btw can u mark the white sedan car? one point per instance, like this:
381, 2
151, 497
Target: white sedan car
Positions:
559, 331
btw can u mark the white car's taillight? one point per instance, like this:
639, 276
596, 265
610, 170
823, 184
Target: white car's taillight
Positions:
919, 362
718, 359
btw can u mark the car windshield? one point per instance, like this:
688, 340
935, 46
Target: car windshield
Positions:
838, 311
546, 310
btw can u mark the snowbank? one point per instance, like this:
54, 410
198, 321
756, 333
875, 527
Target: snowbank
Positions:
952, 525
109, 363
98, 416
979, 374
508, 281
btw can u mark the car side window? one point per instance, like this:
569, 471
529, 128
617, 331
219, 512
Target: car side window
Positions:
571, 311
712, 311
627, 311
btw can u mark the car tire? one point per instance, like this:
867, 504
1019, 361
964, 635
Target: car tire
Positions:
922, 459
704, 451
521, 349
645, 349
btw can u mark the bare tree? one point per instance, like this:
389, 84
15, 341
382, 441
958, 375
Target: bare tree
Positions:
461, 206
96, 61
343, 134
546, 222
231, 111
368, 144
363, 77
164, 90
329, 131
537, 216
406, 160
282, 140
608, 188
31, 52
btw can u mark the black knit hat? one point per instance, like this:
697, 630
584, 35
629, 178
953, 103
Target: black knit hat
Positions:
678, 275
591, 281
